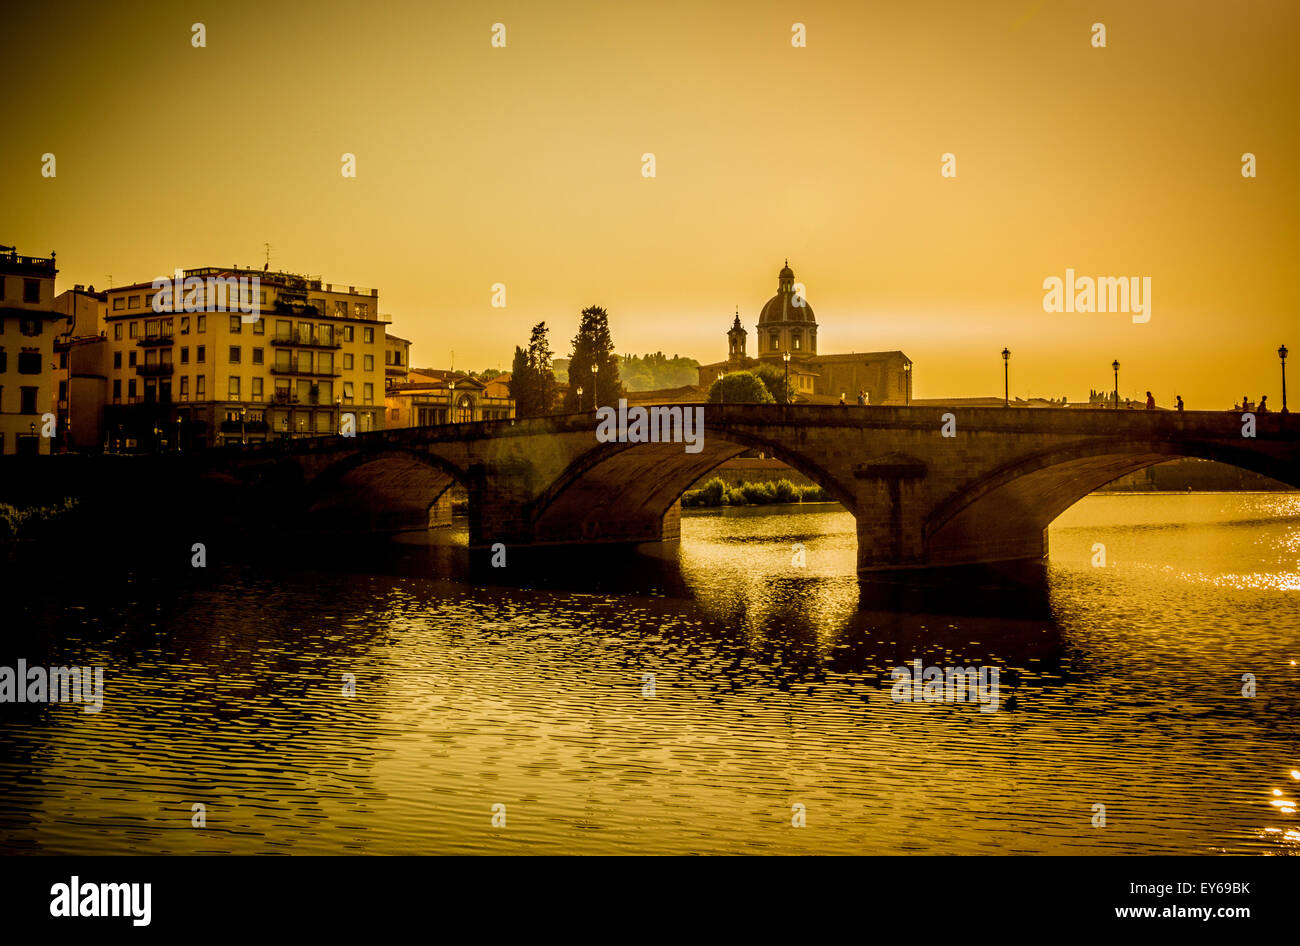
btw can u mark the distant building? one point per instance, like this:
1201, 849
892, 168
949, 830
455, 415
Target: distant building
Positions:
205, 377
28, 326
432, 396
81, 373
397, 360
787, 324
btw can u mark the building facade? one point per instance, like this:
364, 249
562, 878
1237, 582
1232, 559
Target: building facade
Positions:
397, 360
81, 371
202, 375
787, 326
28, 326
433, 396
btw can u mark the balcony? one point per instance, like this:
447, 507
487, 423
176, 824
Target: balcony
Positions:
297, 341
284, 397
305, 373
152, 341
153, 371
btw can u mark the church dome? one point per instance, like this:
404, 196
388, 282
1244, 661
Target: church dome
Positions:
781, 307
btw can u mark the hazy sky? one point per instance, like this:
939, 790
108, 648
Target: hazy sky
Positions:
522, 166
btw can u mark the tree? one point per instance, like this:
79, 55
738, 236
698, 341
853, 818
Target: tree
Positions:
539, 367
522, 389
532, 383
773, 379
592, 346
740, 387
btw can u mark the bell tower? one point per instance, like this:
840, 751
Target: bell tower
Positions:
736, 337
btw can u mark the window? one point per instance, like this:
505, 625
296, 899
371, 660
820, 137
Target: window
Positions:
347, 361
236, 326
4, 361
256, 392
63, 361
232, 392
151, 328
29, 362
369, 336
185, 388
776, 342
133, 302
130, 389
32, 292
259, 327
185, 354
388, 357
149, 300
794, 342
117, 332
367, 393
325, 362
203, 324
347, 333
130, 358
234, 354
119, 303
283, 360
325, 333
29, 326
397, 357
134, 331
117, 359
367, 362
200, 354
347, 391
340, 309
185, 325
257, 355
200, 387
117, 389
27, 400
319, 306
362, 310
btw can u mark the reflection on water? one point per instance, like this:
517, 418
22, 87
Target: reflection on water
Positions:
225, 687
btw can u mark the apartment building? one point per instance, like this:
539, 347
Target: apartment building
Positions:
205, 374
397, 360
28, 325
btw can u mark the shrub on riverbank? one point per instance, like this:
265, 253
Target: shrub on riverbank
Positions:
33, 522
717, 493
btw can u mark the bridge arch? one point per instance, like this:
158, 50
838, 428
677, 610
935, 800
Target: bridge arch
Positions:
628, 492
1004, 514
391, 490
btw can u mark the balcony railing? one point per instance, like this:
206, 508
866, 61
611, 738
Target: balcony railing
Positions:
245, 426
298, 341
305, 372
155, 370
284, 397
150, 341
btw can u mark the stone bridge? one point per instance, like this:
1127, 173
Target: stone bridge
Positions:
985, 493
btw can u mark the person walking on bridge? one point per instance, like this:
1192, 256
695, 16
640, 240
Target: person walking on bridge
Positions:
862, 398
1179, 399
1263, 404
1151, 402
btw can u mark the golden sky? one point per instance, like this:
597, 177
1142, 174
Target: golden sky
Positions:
522, 166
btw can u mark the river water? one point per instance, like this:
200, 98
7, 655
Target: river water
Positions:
769, 700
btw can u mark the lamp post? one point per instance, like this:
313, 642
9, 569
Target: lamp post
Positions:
243, 438
595, 388
1281, 353
579, 399
722, 388
785, 389
338, 413
907, 383
451, 402
1006, 377
1115, 366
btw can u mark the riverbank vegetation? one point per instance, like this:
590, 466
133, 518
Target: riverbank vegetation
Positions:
34, 522
716, 492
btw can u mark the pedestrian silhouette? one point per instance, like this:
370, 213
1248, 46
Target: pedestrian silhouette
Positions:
862, 398
1151, 402
1263, 403
1179, 399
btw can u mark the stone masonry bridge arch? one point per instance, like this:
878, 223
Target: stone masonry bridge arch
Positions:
921, 499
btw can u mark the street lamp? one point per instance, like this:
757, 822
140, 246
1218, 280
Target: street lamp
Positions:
1281, 353
1006, 377
1115, 366
722, 389
243, 438
451, 402
579, 399
907, 383
785, 356
595, 388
